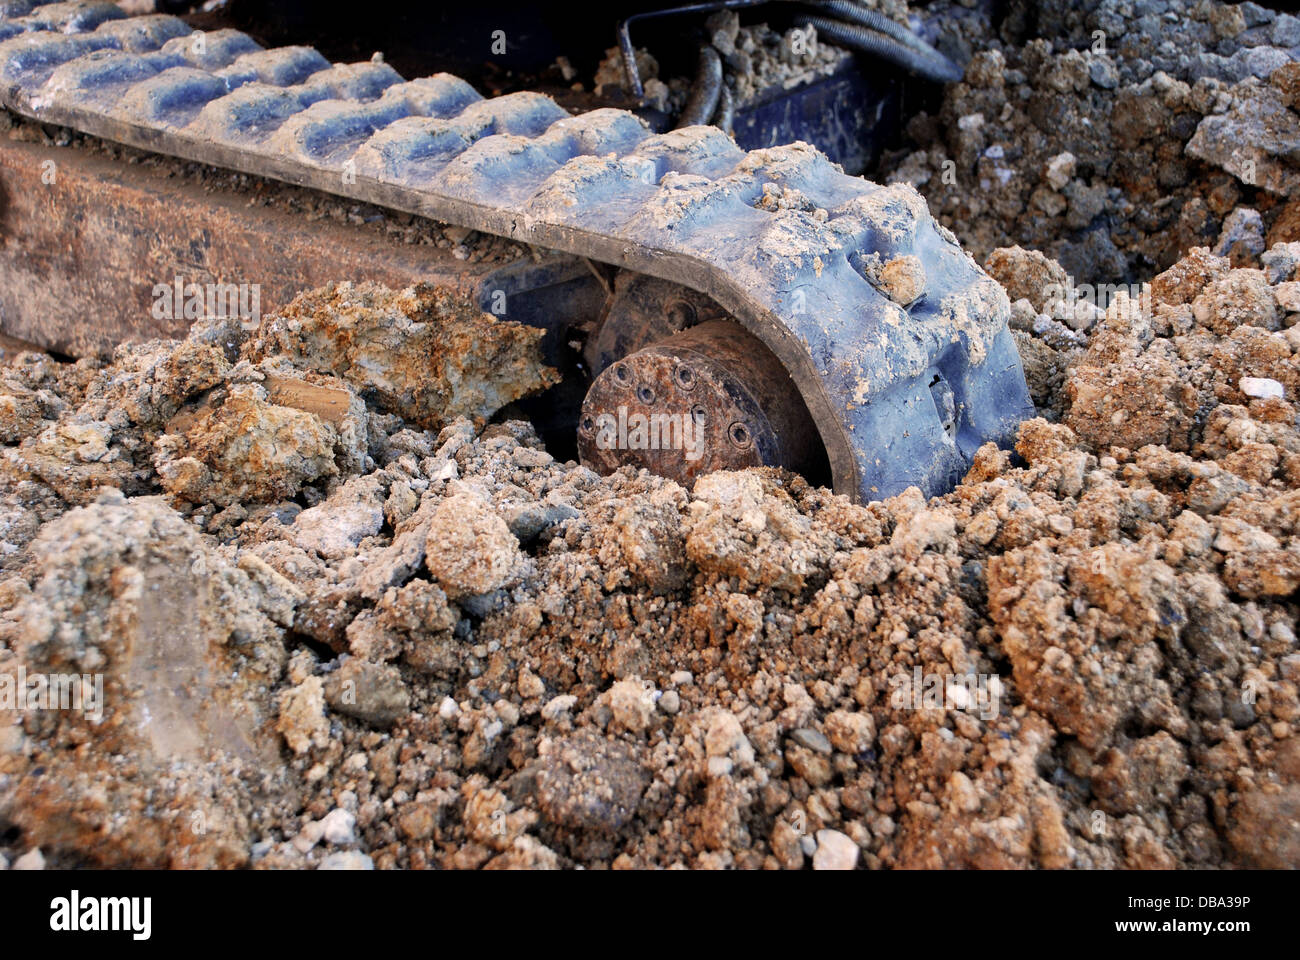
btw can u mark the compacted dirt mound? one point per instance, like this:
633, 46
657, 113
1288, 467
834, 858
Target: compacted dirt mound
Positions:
344, 620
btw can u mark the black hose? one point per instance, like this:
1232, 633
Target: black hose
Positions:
851, 12
924, 61
725, 118
705, 93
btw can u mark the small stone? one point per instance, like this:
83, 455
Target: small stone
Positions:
1288, 296
813, 767
338, 827
670, 702
850, 732
725, 737
308, 836
1290, 667
1240, 712
1255, 14
983, 527
835, 851
1261, 61
527, 520
962, 795
302, 719
372, 692
1261, 387
527, 457
334, 528
558, 707
417, 821
1238, 536
903, 279
632, 702
530, 685
1286, 31
1253, 139
1060, 170
33, 859
1242, 235
1279, 262
1102, 72
1227, 21
347, 860
589, 784
813, 740
1028, 275
1023, 315
470, 550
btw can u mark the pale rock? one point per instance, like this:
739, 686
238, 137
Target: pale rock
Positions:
558, 707
1261, 387
347, 860
33, 859
1060, 170
632, 702
835, 851
338, 827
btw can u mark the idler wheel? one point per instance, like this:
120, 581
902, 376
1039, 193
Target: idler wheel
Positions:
711, 397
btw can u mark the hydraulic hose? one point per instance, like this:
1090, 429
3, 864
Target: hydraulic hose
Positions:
705, 93
919, 57
851, 12
725, 118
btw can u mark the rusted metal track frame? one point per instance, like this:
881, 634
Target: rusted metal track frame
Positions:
84, 239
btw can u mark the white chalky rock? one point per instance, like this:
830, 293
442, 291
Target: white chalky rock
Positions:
835, 851
338, 827
33, 859
1261, 387
347, 860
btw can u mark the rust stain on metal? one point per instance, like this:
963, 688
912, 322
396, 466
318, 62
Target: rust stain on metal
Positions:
81, 257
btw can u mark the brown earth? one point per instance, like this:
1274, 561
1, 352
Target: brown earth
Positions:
343, 620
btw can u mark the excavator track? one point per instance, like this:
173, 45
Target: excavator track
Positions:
895, 338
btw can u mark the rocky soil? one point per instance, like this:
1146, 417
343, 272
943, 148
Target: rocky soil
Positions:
1114, 135
345, 620
346, 614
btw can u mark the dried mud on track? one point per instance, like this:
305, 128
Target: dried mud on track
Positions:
344, 620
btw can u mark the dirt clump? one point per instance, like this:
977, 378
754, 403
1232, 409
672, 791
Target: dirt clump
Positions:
160, 751
425, 354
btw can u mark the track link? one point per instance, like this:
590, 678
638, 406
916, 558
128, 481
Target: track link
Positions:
903, 378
